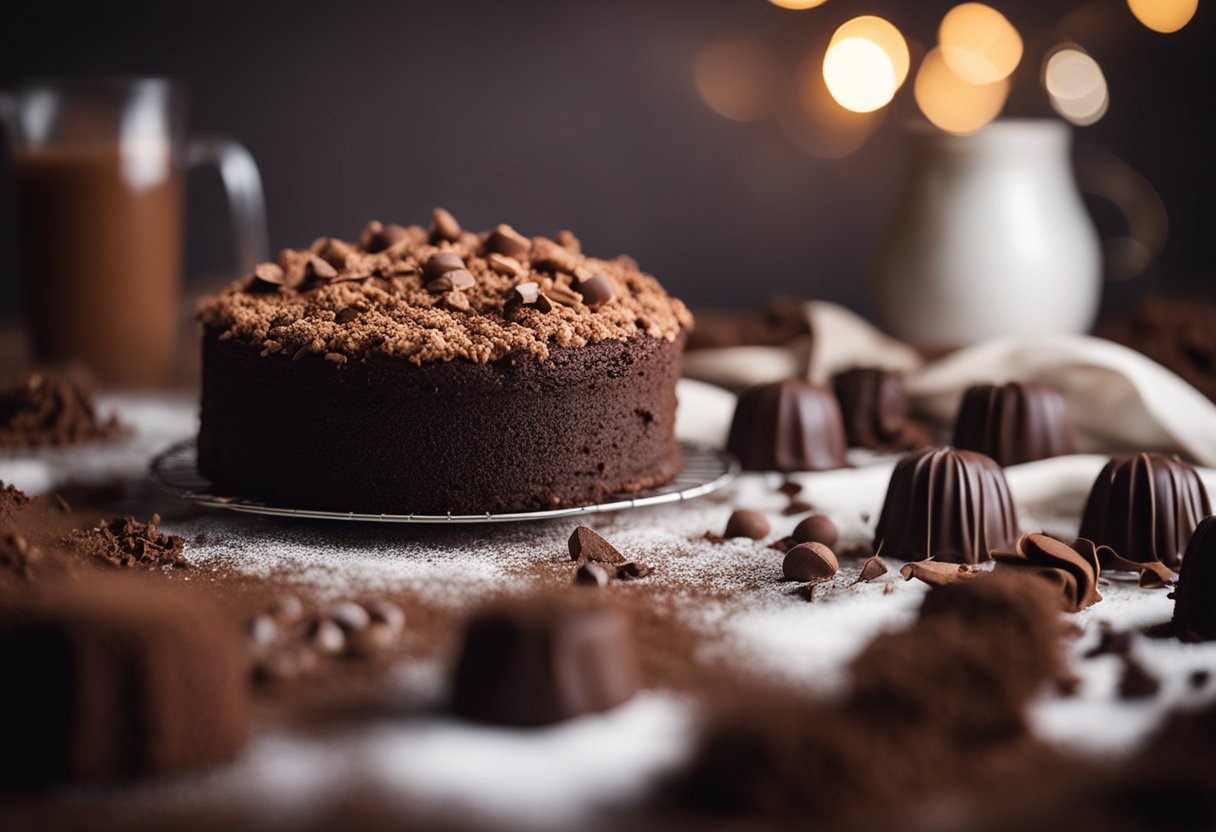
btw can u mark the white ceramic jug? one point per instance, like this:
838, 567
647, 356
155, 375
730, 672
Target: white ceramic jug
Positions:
990, 238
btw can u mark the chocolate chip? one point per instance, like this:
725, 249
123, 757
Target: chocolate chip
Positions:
444, 226
286, 609
796, 507
596, 290
386, 614
549, 256
319, 269
348, 615
591, 574
333, 251
631, 571
809, 562
506, 240
267, 277
505, 265
816, 529
347, 314
586, 545
377, 237
262, 630
871, 569
527, 295
439, 264
744, 523
456, 280
1136, 682
326, 636
789, 488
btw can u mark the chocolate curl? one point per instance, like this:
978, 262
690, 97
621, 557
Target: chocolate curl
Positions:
936, 573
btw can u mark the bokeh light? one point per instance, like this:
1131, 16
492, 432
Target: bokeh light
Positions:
797, 5
1164, 16
979, 44
739, 78
866, 63
950, 102
812, 119
1075, 85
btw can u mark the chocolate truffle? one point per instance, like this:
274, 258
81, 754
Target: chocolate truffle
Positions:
787, 425
874, 407
1145, 508
116, 677
1195, 595
1013, 423
946, 504
542, 660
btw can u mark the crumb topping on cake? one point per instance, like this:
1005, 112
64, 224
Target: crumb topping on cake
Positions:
439, 295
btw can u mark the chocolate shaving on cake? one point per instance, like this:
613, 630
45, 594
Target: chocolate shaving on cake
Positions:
52, 407
125, 542
291, 307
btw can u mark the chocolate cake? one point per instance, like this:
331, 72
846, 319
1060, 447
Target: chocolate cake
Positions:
946, 504
542, 660
1145, 508
789, 425
1195, 595
1013, 423
111, 678
420, 371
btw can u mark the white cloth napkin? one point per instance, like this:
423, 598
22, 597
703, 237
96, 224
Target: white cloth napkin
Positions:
1118, 400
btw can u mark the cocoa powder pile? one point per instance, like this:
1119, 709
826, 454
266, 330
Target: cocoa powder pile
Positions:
52, 407
125, 541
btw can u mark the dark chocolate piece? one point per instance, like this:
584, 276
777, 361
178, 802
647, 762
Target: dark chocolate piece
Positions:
787, 426
586, 545
439, 264
527, 295
507, 241
596, 290
1145, 508
1195, 594
874, 407
744, 523
1013, 423
116, 677
816, 529
953, 506
809, 562
543, 660
444, 226
377, 237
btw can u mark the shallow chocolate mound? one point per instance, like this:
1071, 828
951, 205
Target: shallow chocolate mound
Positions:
875, 410
389, 436
789, 425
1013, 423
542, 660
1195, 594
116, 677
1145, 508
950, 505
52, 406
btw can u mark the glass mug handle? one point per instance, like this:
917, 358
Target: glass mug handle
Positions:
243, 185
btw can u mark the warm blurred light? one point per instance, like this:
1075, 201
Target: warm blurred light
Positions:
1075, 84
865, 64
812, 119
739, 78
953, 104
797, 5
884, 35
979, 43
1164, 16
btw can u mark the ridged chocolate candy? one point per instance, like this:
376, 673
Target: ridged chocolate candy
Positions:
1195, 595
542, 660
947, 504
787, 425
874, 406
1013, 423
1145, 507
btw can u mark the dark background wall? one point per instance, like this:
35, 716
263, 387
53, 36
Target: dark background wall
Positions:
583, 114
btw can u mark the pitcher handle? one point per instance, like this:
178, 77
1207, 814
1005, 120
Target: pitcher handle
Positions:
243, 184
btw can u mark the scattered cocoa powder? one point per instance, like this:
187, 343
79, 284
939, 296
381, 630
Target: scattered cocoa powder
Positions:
52, 407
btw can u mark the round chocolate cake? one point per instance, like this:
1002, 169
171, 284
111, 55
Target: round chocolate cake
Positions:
439, 371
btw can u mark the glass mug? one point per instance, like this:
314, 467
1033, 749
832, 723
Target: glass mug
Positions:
98, 166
